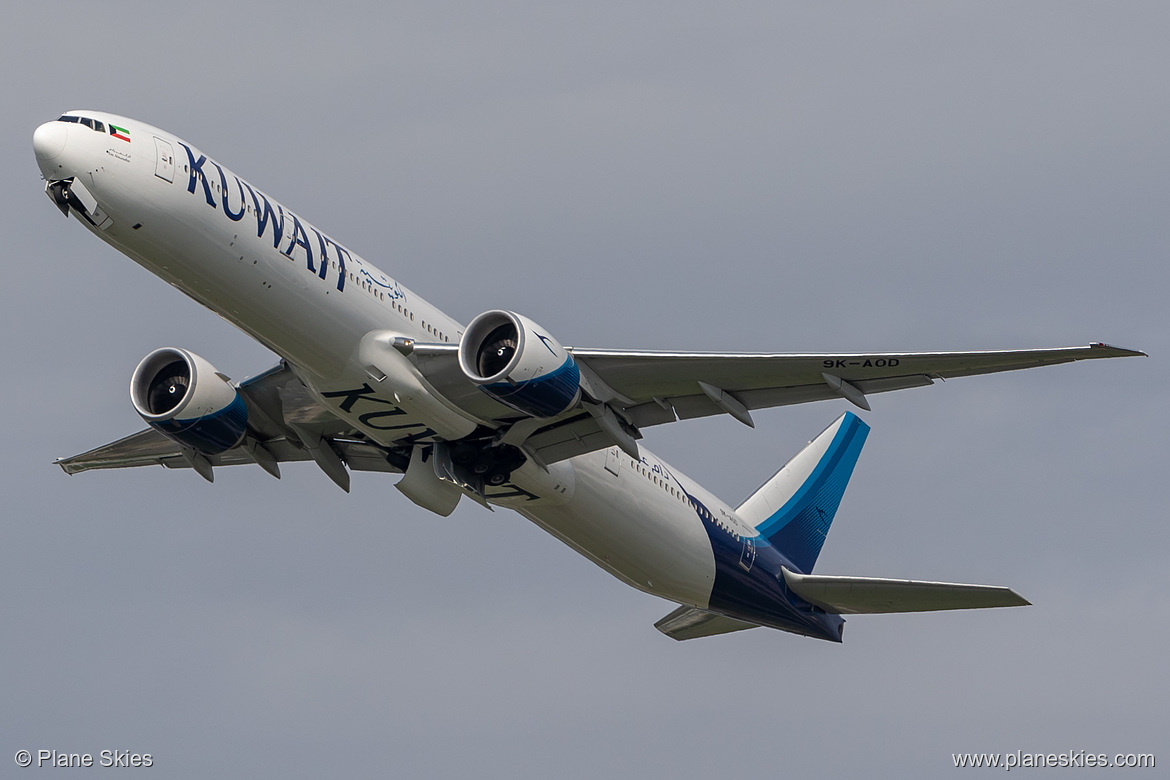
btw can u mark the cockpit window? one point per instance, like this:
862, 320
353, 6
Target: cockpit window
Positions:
92, 124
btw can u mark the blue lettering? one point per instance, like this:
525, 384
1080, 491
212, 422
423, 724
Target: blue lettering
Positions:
324, 252
342, 253
298, 237
227, 209
196, 174
263, 215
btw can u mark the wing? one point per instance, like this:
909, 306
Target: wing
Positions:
151, 448
690, 382
651, 388
623, 392
285, 423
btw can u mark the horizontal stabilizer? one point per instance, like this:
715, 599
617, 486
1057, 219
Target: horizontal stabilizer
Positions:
692, 623
868, 595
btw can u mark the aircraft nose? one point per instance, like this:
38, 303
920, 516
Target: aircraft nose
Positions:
49, 140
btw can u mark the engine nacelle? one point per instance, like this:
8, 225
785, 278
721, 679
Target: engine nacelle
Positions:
513, 360
184, 398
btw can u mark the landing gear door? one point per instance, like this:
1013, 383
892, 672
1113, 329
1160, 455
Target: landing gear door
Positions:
423, 485
164, 165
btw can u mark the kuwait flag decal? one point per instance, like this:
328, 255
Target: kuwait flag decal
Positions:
120, 132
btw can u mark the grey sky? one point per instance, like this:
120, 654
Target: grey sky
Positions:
749, 176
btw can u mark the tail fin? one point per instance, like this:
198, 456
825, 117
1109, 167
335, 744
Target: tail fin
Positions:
795, 508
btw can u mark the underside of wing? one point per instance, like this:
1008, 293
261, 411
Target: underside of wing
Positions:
151, 448
597, 398
621, 392
641, 389
699, 384
285, 424
868, 595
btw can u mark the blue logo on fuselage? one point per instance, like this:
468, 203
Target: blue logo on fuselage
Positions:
288, 233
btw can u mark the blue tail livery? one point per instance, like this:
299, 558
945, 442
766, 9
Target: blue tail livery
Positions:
794, 509
790, 515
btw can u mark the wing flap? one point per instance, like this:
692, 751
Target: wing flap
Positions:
689, 407
692, 623
872, 596
145, 448
568, 438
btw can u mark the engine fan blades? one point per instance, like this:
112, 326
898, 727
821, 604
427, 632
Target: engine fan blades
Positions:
497, 350
168, 388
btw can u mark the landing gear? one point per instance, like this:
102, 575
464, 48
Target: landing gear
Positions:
493, 463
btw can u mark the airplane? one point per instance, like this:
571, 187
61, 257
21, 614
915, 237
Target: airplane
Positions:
374, 378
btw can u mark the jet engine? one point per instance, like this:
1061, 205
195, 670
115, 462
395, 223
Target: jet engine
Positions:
516, 362
184, 398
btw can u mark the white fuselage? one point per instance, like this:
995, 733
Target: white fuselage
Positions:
310, 300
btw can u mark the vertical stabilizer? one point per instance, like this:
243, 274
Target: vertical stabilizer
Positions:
795, 508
